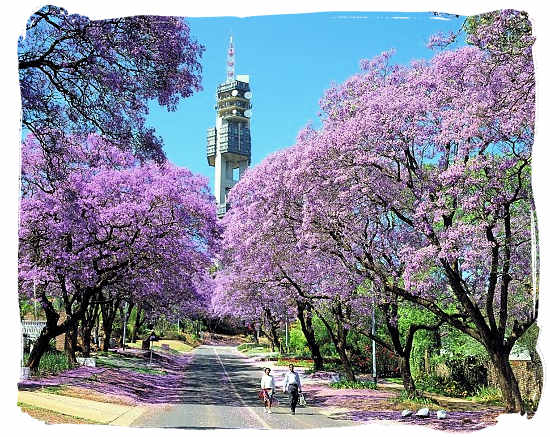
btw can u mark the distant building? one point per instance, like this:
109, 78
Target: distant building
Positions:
228, 143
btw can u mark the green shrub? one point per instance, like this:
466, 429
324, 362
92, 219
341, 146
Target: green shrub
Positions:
52, 363
444, 386
297, 341
354, 384
487, 395
173, 335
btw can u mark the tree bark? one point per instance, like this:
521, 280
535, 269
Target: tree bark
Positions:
108, 312
71, 337
52, 329
339, 339
271, 331
255, 333
107, 331
124, 316
507, 381
140, 318
87, 324
40, 346
405, 368
305, 318
404, 353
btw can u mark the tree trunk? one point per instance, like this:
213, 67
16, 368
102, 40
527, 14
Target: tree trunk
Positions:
96, 334
107, 331
52, 329
256, 339
87, 325
138, 323
306, 324
507, 381
109, 308
40, 346
339, 340
70, 344
346, 363
271, 331
405, 368
124, 316
86, 341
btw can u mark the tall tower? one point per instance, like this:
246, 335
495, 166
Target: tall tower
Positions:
228, 144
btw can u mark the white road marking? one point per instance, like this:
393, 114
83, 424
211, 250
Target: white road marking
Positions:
250, 410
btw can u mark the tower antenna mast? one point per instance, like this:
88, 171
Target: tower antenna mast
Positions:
230, 60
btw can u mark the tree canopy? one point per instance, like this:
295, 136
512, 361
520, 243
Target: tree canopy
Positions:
79, 76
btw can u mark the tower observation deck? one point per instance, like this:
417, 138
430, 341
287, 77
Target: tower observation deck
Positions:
228, 143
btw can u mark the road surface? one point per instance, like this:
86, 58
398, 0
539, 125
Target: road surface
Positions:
221, 392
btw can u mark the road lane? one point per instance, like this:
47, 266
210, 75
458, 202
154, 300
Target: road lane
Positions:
221, 391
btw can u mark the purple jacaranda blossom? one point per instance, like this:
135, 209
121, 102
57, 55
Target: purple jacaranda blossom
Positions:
79, 76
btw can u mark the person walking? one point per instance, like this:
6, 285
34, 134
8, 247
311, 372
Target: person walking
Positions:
294, 386
268, 389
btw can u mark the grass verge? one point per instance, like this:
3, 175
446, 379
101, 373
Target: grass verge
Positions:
52, 417
254, 348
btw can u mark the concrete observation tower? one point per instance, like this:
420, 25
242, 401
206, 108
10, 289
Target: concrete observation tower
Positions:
228, 144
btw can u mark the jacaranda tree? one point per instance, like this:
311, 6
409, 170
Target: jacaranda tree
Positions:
422, 173
146, 229
79, 76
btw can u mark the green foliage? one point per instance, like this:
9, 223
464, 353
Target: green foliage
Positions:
53, 389
529, 340
530, 406
173, 335
297, 340
394, 380
354, 384
487, 395
415, 400
52, 363
444, 386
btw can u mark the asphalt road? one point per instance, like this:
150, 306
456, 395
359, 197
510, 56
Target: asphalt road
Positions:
221, 392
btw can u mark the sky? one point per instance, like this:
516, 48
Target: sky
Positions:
292, 60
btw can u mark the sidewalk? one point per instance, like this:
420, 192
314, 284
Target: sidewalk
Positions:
100, 412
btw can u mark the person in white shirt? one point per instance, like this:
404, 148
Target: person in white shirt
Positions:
293, 385
268, 389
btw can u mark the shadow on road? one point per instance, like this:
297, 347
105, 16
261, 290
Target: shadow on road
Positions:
206, 382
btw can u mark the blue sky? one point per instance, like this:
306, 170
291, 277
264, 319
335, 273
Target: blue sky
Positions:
291, 60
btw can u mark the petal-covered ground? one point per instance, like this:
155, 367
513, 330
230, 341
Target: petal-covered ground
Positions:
459, 421
364, 405
159, 383
126, 377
